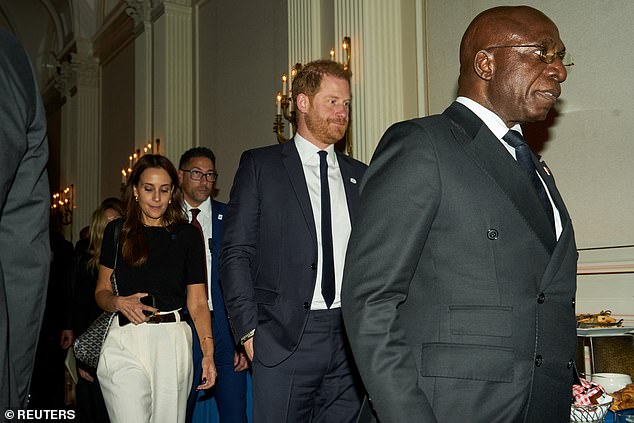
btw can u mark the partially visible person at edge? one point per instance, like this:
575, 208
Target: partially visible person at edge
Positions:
459, 287
90, 405
283, 248
145, 368
197, 175
24, 220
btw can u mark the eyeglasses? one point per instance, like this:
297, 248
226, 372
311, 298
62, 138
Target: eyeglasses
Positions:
545, 54
197, 175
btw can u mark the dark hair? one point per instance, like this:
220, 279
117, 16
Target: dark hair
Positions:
196, 152
308, 79
134, 249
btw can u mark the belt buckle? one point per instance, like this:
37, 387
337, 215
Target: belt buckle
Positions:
153, 319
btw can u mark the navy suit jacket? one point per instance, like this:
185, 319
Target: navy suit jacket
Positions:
268, 260
217, 216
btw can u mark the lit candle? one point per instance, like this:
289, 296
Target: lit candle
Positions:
123, 176
278, 101
332, 54
284, 83
135, 156
150, 148
130, 161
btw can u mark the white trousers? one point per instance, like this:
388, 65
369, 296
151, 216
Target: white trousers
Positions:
145, 372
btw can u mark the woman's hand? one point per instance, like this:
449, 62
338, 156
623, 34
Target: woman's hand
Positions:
209, 373
132, 308
85, 375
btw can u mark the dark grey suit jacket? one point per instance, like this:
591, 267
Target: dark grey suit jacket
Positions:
24, 216
458, 302
269, 248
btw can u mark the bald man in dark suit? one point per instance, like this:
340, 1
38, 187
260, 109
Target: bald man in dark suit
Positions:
24, 217
459, 286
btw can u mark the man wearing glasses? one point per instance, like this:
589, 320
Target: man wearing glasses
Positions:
197, 176
458, 297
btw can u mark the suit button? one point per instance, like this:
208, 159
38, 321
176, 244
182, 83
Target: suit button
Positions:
570, 363
492, 234
539, 360
573, 302
306, 306
313, 266
541, 298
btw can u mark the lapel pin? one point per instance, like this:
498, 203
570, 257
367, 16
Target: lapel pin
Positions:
219, 217
354, 181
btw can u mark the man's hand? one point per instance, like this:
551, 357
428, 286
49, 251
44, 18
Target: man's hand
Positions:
240, 361
248, 347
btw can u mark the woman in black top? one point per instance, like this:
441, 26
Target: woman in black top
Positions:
145, 368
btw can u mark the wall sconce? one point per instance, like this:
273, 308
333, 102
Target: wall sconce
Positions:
149, 148
63, 203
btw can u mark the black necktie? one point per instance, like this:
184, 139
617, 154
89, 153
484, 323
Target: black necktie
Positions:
524, 159
328, 263
198, 226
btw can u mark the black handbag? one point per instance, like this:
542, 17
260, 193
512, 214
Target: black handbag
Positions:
87, 346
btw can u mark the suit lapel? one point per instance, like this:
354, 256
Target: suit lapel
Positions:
216, 228
293, 165
350, 183
549, 180
490, 155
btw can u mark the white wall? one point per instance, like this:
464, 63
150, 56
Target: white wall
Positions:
243, 50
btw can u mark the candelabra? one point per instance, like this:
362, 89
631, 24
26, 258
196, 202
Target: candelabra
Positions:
63, 203
286, 107
150, 148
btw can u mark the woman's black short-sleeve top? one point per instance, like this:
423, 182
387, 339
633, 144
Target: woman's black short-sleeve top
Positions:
176, 259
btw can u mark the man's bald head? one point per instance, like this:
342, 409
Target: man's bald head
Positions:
495, 47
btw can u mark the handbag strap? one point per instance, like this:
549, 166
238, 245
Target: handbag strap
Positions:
117, 230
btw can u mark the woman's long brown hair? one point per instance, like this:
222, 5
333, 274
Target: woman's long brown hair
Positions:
134, 248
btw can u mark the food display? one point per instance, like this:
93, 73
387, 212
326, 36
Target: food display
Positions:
603, 319
590, 403
623, 398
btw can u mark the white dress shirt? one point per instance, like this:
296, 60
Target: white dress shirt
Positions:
204, 218
499, 129
308, 154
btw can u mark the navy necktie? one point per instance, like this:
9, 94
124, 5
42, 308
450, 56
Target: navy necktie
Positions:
198, 226
525, 160
328, 262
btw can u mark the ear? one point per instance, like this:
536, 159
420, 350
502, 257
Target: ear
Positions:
134, 191
302, 103
180, 177
484, 65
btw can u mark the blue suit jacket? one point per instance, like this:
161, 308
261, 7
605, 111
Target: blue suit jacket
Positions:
268, 259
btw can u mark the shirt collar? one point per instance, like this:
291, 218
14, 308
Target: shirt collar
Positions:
204, 207
490, 119
308, 152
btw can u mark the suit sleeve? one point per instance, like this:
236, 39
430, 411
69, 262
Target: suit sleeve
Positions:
238, 248
24, 208
399, 198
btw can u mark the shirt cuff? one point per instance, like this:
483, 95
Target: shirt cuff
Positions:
248, 336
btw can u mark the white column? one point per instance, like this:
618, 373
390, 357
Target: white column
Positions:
305, 31
141, 12
87, 179
174, 75
81, 141
384, 70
